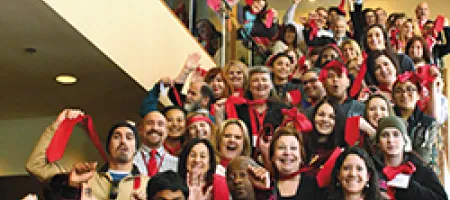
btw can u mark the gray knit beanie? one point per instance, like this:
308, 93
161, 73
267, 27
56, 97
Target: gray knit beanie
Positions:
394, 122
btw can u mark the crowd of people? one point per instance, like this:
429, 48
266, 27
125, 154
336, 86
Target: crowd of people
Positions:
340, 109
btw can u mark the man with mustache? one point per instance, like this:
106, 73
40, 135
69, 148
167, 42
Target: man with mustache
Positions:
151, 156
119, 175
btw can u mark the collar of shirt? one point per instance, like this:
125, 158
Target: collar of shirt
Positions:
146, 150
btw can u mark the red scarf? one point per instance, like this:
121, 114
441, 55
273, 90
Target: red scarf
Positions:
57, 146
392, 172
301, 122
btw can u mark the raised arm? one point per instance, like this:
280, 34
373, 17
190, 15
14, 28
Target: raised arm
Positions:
191, 63
37, 164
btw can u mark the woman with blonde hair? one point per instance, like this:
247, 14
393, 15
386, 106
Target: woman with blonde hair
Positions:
237, 72
232, 140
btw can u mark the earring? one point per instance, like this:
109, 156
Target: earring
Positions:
338, 184
367, 185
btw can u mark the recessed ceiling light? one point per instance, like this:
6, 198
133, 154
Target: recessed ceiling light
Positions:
312, 0
66, 79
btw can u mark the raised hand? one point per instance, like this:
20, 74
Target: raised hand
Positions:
259, 176
81, 173
296, 1
192, 62
139, 195
196, 181
67, 114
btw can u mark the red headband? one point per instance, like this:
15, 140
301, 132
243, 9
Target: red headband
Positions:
408, 76
199, 118
332, 65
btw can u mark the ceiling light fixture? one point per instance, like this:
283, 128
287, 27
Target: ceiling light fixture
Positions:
66, 79
312, 0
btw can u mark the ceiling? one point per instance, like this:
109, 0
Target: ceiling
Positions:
27, 79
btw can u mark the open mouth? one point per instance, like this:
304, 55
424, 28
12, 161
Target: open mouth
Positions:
232, 147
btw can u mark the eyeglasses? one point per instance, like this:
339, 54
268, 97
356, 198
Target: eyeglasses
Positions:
408, 90
312, 80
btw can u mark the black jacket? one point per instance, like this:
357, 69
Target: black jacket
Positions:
423, 185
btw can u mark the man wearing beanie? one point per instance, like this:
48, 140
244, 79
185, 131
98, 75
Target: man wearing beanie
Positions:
397, 123
152, 157
403, 174
118, 179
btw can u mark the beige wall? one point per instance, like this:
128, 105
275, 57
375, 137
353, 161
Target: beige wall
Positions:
139, 35
20, 136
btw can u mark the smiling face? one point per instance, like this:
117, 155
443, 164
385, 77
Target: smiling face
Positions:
377, 108
324, 120
339, 28
286, 156
122, 145
232, 142
349, 52
153, 129
391, 142
385, 72
353, 174
312, 86
282, 67
405, 95
408, 29
260, 85
238, 180
375, 39
328, 55
176, 123
200, 130
198, 159
289, 36
236, 76
217, 85
416, 50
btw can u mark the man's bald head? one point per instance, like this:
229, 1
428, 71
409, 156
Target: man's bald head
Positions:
422, 11
238, 179
153, 129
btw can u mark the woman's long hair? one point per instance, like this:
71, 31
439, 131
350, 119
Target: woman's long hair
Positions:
426, 54
387, 42
335, 139
282, 36
372, 192
228, 87
184, 155
371, 59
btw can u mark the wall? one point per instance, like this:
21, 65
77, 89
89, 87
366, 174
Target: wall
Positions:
140, 36
19, 137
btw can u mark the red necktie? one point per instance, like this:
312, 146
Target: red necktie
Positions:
151, 164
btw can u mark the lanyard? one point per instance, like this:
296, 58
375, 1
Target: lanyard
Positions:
146, 163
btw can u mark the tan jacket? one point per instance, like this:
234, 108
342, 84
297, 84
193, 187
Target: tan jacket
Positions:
101, 182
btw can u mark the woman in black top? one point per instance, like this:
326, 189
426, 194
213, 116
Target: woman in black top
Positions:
354, 177
287, 157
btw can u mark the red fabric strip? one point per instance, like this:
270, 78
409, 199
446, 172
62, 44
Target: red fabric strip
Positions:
58, 144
